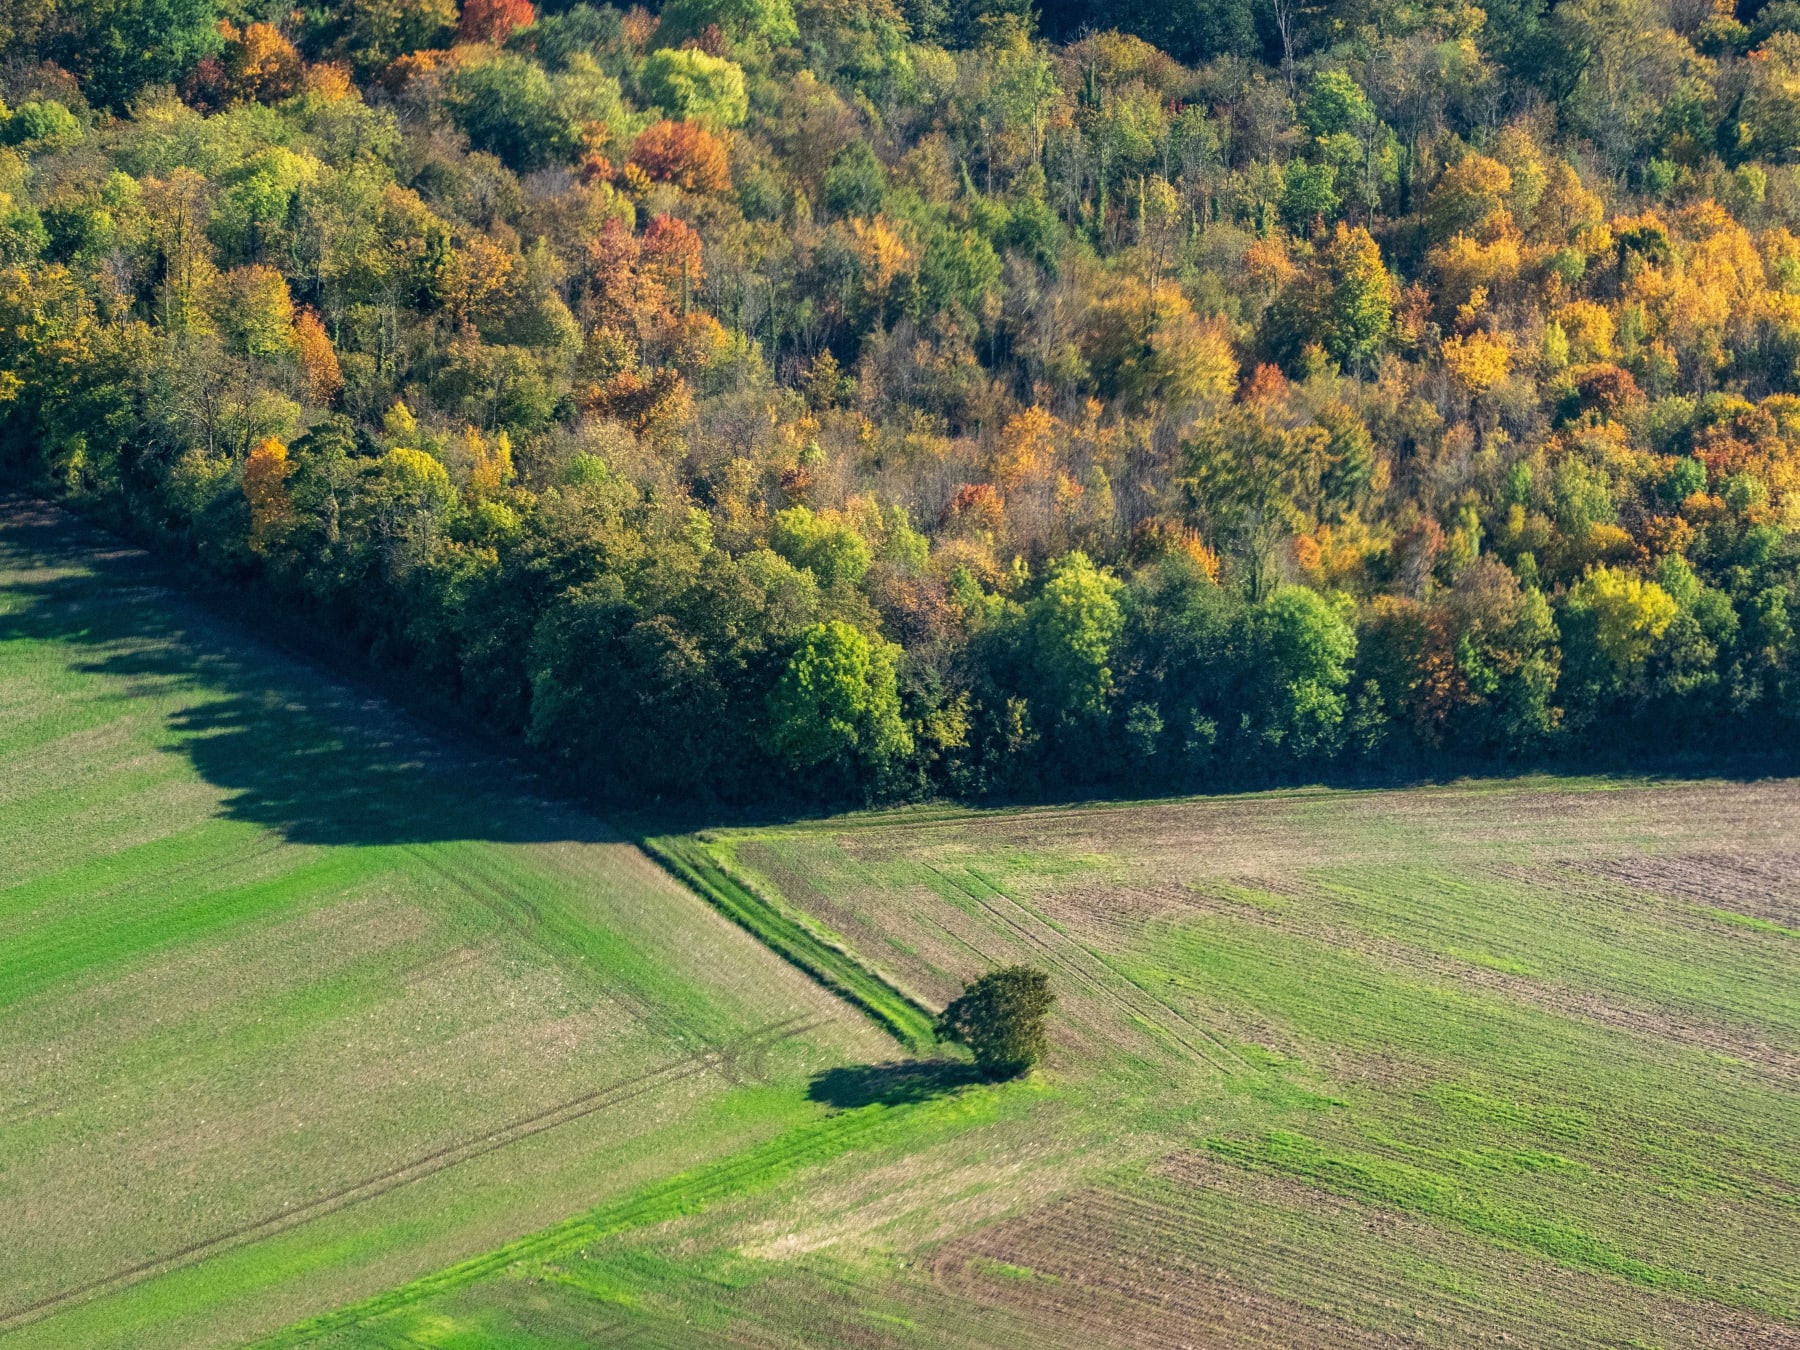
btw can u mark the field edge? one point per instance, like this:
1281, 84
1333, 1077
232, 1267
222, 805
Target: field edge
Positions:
698, 865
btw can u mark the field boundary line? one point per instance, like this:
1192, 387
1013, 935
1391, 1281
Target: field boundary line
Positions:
829, 962
418, 1169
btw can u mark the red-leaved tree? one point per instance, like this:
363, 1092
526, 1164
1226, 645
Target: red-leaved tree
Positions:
493, 20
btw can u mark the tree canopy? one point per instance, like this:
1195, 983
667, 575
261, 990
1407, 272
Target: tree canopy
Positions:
763, 400
1000, 1017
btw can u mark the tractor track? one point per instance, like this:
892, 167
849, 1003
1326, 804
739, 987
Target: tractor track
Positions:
1076, 960
522, 915
726, 1059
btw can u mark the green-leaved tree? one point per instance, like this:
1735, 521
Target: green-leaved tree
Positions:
1074, 626
1000, 1017
838, 701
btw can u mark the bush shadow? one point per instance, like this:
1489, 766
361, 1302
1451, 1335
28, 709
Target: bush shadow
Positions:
897, 1083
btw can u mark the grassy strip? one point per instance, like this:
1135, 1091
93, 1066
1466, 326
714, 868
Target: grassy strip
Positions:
830, 963
690, 1192
1750, 921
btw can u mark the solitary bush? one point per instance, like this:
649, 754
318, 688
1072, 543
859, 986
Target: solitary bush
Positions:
1001, 1018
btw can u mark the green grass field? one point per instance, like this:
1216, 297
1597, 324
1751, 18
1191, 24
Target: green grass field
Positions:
1500, 1063
297, 1005
320, 1033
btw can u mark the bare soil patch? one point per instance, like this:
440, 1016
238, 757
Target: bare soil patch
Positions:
1763, 885
1264, 1261
1103, 1268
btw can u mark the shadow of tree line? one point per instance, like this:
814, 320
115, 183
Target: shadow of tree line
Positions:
296, 749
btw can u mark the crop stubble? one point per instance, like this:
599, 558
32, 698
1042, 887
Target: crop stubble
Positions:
1568, 946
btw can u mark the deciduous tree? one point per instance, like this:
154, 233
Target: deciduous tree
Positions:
837, 701
1000, 1017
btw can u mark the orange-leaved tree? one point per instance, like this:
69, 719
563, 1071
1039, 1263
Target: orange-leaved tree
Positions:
265, 488
683, 153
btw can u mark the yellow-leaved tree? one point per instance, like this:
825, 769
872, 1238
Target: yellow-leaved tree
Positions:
1629, 613
265, 488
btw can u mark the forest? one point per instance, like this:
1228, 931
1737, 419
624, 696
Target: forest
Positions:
839, 401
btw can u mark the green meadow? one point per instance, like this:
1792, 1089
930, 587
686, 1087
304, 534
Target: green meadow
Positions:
298, 1003
324, 1031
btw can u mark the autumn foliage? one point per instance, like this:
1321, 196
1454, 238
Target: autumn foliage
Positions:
861, 401
255, 64
683, 153
318, 359
493, 20
265, 489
